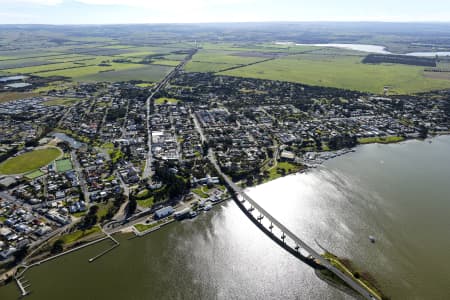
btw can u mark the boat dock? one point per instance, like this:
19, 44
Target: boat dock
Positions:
23, 285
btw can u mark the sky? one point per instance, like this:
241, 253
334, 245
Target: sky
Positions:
202, 11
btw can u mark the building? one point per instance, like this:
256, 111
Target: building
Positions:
164, 212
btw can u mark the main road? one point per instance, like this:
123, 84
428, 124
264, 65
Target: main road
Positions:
148, 173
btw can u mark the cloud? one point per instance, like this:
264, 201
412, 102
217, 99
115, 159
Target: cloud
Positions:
185, 5
39, 2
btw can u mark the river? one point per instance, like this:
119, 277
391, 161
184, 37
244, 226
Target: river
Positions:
398, 193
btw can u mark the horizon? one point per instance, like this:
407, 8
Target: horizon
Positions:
108, 12
229, 22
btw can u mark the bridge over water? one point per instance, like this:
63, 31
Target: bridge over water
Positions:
286, 239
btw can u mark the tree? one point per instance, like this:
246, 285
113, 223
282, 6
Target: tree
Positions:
20, 254
90, 219
423, 132
57, 247
205, 148
318, 144
131, 206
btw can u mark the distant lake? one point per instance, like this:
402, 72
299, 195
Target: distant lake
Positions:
370, 49
429, 53
356, 47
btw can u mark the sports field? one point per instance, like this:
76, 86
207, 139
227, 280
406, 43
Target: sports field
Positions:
63, 165
34, 174
29, 161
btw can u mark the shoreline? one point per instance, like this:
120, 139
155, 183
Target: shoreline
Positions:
341, 152
325, 156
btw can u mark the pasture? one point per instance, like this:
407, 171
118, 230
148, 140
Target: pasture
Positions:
342, 71
102, 61
151, 73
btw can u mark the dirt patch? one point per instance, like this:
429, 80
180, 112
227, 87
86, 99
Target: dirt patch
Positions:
11, 96
437, 75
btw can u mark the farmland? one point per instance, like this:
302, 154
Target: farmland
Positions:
318, 66
29, 161
137, 72
342, 71
100, 61
149, 57
218, 60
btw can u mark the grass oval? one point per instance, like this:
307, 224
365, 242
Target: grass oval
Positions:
29, 161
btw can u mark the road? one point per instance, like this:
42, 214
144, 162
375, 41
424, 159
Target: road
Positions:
198, 127
120, 215
148, 173
81, 179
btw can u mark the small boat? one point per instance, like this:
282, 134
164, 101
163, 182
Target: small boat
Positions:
372, 239
192, 214
207, 207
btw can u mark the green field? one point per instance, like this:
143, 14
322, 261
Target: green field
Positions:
34, 174
343, 71
204, 67
79, 234
29, 161
144, 227
64, 165
199, 192
146, 202
145, 85
166, 62
61, 101
49, 67
218, 60
137, 72
93, 62
381, 140
164, 100
287, 167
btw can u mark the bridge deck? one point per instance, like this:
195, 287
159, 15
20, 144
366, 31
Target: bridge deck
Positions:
347, 279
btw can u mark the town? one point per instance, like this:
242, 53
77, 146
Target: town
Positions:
108, 154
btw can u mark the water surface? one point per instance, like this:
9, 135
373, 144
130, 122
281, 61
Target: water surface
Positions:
398, 193
372, 49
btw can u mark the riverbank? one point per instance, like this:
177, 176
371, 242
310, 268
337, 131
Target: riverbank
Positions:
363, 278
